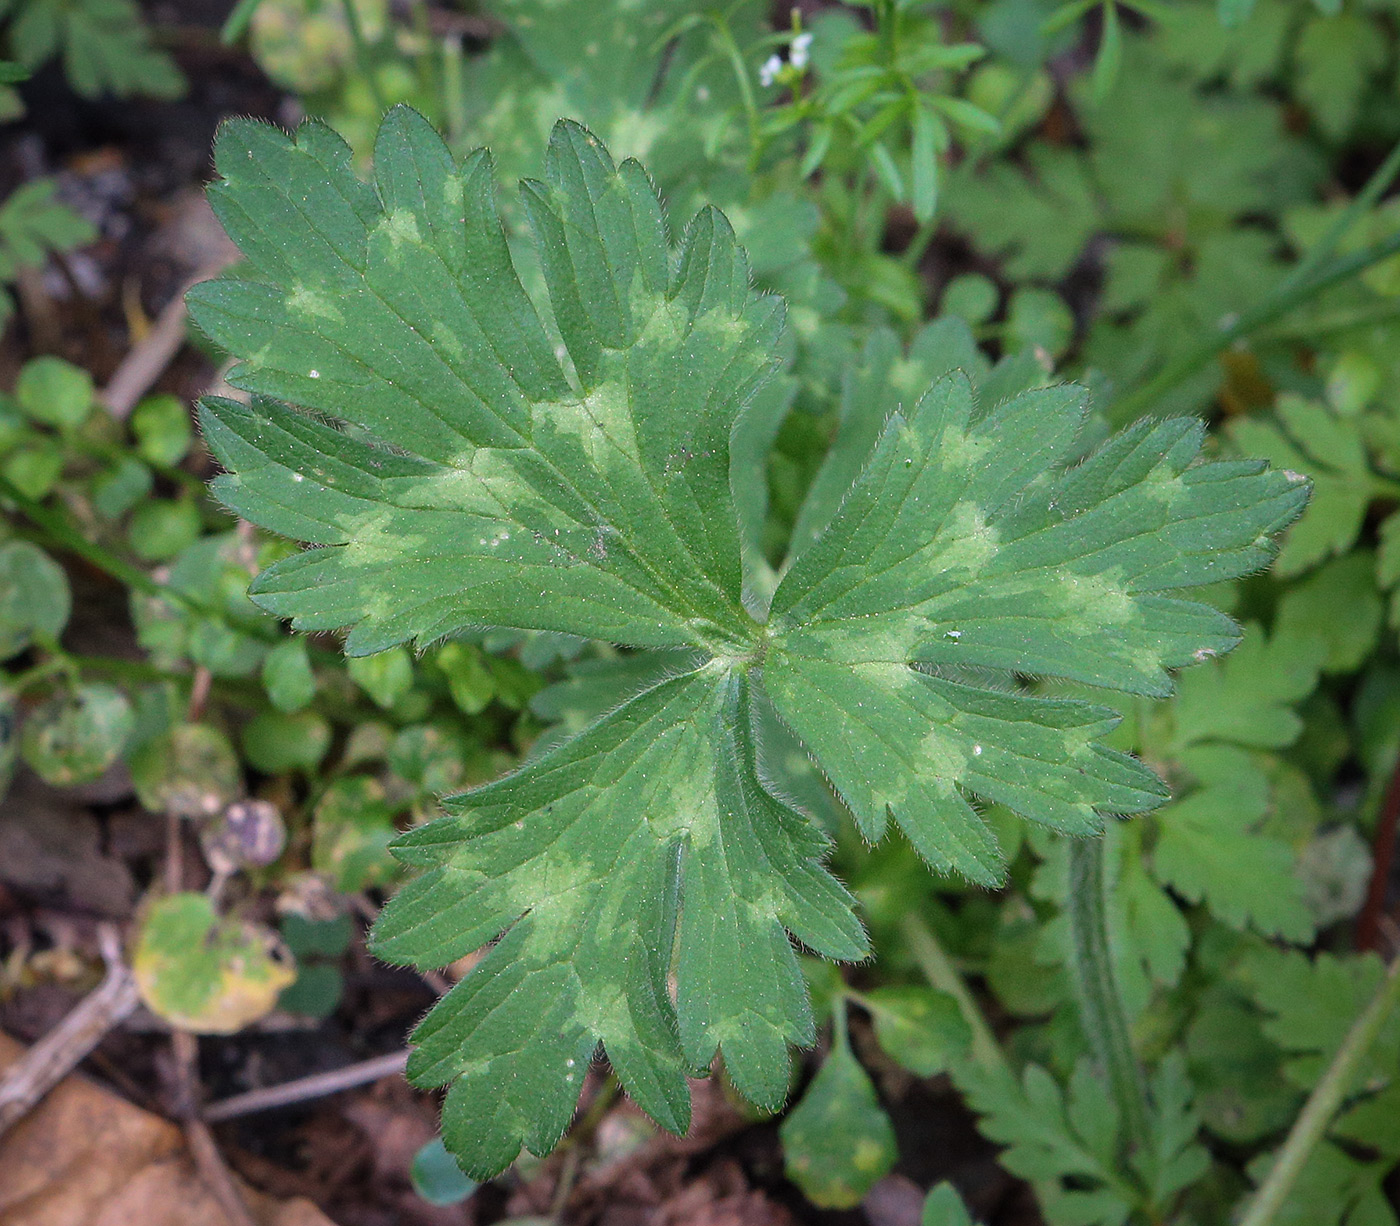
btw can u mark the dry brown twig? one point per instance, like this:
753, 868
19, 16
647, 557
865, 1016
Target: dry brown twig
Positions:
207, 1158
304, 1089
54, 1056
146, 361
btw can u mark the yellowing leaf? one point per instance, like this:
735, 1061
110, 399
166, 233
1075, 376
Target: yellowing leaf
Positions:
204, 973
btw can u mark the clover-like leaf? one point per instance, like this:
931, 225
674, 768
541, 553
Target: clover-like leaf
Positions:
468, 453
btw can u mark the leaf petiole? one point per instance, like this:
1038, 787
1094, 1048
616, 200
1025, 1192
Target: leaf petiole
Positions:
1101, 1009
1322, 1104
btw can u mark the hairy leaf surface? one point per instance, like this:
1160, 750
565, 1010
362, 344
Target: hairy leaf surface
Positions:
463, 453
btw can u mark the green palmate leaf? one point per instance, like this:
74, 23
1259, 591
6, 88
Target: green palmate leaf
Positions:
1204, 839
1054, 1138
562, 841
468, 454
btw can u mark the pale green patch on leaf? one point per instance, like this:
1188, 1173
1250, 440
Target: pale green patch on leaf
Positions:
587, 852
467, 454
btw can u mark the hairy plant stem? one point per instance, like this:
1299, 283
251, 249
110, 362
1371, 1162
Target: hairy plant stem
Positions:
1323, 1103
1101, 1009
1289, 295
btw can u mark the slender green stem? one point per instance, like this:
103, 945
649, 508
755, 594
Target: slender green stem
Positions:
1323, 1103
1284, 299
1364, 202
729, 47
939, 970
1100, 1007
840, 1036
57, 663
57, 530
140, 670
64, 534
114, 453
454, 109
913, 253
363, 57
1333, 321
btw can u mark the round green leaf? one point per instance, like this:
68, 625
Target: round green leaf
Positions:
838, 1141
204, 973
34, 470
315, 993
386, 676
353, 826
972, 296
430, 757
54, 392
73, 738
34, 596
274, 742
287, 676
307, 938
1039, 319
13, 426
121, 487
920, 1029
222, 649
191, 771
468, 678
437, 1178
161, 529
163, 430
162, 629
944, 1207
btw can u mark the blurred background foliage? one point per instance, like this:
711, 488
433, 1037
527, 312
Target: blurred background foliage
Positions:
1186, 206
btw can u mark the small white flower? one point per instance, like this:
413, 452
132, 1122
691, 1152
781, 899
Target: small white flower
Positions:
768, 71
800, 51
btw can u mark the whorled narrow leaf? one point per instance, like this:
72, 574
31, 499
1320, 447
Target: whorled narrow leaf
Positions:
464, 453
